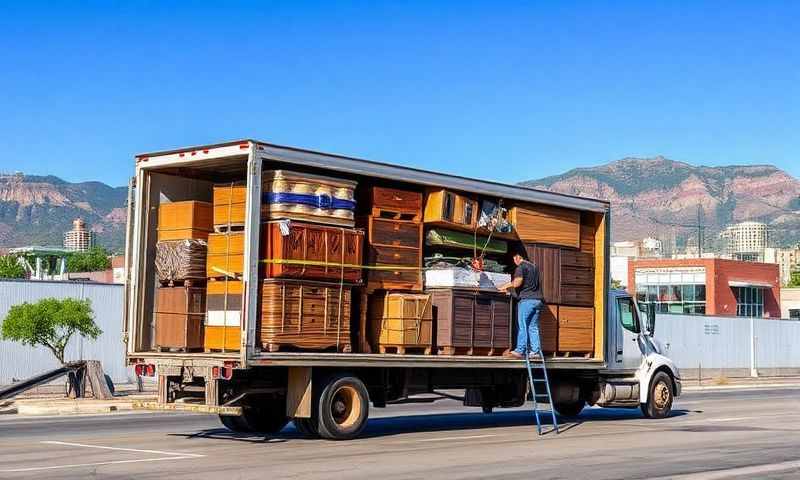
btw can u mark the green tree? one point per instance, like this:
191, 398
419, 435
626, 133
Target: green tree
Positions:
10, 267
794, 281
93, 260
50, 323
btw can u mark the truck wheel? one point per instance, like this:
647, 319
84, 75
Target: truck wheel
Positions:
307, 426
659, 400
270, 418
570, 409
234, 423
342, 408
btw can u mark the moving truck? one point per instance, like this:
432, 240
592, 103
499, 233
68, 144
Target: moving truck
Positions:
599, 344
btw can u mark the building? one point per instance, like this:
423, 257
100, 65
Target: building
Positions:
707, 286
788, 260
746, 241
42, 263
790, 303
647, 247
79, 239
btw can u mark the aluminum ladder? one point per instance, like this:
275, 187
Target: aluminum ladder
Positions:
537, 396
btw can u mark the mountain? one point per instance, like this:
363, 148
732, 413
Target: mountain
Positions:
37, 210
647, 194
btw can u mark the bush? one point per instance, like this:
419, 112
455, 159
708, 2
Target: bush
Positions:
10, 267
50, 323
93, 260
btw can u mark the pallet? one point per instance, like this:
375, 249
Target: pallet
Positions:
405, 349
229, 228
404, 216
178, 349
277, 347
189, 282
220, 350
471, 351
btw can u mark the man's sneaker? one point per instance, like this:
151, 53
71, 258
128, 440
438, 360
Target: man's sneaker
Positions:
513, 354
535, 356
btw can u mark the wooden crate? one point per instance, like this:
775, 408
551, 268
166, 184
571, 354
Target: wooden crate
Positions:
229, 204
451, 209
575, 329
307, 197
547, 224
304, 315
403, 321
471, 322
179, 315
224, 315
225, 254
321, 252
184, 220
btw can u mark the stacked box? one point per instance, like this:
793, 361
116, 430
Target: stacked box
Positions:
184, 220
404, 322
224, 315
179, 317
229, 205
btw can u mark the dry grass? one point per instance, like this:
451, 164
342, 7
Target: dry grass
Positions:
721, 380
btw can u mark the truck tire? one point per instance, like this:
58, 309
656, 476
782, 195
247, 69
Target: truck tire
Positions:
660, 396
307, 426
267, 417
234, 423
342, 408
570, 409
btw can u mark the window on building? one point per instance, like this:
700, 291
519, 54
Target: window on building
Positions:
749, 301
673, 291
794, 313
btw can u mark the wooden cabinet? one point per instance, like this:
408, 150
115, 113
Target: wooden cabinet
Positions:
547, 224
184, 220
304, 315
402, 321
179, 316
575, 329
548, 328
314, 252
470, 322
566, 276
396, 203
395, 247
451, 209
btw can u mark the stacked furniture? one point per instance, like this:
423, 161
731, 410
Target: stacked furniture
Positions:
564, 252
311, 258
180, 259
394, 262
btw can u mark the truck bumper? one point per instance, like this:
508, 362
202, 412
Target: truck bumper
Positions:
187, 407
677, 387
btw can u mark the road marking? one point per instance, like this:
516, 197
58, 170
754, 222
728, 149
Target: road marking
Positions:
736, 472
103, 447
445, 439
730, 419
167, 456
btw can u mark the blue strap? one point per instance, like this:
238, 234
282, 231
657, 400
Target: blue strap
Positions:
319, 201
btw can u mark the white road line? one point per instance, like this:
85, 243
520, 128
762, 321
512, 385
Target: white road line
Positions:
730, 419
736, 472
97, 464
444, 439
137, 450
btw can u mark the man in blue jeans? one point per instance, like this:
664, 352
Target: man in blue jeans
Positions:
526, 283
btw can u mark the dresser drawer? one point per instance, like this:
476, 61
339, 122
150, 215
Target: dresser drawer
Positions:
394, 233
396, 200
380, 255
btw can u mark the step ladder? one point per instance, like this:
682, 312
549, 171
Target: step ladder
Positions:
533, 367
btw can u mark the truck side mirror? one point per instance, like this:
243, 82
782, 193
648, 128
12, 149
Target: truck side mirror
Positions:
651, 318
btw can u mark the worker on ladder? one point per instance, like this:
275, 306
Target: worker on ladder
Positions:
525, 282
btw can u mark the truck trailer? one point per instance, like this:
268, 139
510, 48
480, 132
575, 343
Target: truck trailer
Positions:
599, 347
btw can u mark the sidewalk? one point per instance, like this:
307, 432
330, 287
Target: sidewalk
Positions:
50, 400
738, 383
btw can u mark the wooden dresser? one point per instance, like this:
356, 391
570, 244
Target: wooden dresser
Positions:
471, 322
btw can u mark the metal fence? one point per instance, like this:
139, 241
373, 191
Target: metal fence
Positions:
18, 361
730, 346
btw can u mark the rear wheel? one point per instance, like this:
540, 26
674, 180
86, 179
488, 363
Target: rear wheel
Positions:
570, 409
264, 417
234, 423
342, 408
659, 400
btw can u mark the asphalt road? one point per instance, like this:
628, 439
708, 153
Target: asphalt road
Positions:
731, 434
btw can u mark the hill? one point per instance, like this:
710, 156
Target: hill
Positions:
648, 193
37, 210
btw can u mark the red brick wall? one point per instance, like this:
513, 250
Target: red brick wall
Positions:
720, 299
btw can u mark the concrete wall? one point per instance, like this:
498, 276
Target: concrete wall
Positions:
19, 362
723, 346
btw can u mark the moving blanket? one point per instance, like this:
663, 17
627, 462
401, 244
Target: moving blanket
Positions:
439, 261
450, 238
179, 260
464, 277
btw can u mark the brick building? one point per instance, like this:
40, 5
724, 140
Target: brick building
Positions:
707, 286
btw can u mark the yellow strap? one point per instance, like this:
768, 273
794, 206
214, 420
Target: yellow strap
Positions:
319, 263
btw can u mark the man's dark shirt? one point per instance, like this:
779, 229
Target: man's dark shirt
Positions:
530, 288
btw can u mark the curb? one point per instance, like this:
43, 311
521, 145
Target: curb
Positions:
751, 386
73, 407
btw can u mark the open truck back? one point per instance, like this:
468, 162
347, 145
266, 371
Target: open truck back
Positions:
256, 383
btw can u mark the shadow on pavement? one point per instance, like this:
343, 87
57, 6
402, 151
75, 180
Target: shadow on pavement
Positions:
444, 422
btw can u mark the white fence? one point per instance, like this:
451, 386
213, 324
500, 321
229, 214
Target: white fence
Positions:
18, 362
732, 346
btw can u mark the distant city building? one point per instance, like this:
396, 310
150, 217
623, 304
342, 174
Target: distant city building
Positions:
790, 303
746, 241
788, 260
42, 263
707, 286
79, 239
622, 252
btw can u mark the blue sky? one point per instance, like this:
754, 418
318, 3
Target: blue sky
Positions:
505, 91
